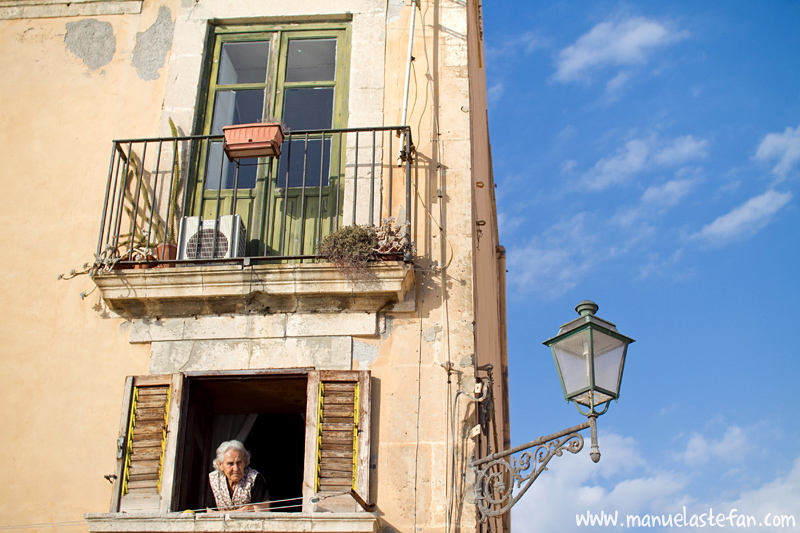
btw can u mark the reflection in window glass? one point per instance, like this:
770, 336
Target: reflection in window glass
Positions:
237, 107
243, 63
311, 60
216, 157
308, 109
294, 153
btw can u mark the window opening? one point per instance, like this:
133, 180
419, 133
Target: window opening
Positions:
296, 76
266, 413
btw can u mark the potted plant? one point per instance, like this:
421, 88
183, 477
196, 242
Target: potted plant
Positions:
261, 139
350, 248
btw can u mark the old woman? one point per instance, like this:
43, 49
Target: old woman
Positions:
236, 486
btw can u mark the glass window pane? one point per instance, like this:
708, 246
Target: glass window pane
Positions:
237, 107
294, 153
216, 157
243, 63
308, 109
311, 60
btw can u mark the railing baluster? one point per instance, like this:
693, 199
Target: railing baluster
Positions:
319, 201
391, 172
301, 216
136, 199
171, 186
286, 194
340, 181
216, 216
105, 201
355, 184
121, 204
153, 201
372, 184
408, 193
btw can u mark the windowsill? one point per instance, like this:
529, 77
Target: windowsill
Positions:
231, 522
233, 289
29, 9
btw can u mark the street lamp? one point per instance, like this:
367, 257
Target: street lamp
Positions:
589, 354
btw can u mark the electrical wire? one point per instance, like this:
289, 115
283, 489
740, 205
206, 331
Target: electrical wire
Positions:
419, 399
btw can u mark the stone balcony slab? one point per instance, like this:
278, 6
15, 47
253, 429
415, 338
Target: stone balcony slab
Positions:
361, 522
258, 289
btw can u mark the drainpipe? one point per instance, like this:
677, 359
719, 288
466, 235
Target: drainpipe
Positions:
415, 6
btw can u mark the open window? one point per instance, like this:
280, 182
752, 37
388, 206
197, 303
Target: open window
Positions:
308, 432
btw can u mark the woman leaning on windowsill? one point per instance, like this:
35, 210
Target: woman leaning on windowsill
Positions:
234, 484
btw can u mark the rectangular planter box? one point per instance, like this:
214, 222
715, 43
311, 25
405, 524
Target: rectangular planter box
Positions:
253, 140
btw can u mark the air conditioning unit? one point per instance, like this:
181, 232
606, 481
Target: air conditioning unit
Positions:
211, 239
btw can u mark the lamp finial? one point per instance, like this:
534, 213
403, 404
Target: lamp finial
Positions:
586, 307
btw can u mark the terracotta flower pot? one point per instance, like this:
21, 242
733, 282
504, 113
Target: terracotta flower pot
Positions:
253, 140
166, 252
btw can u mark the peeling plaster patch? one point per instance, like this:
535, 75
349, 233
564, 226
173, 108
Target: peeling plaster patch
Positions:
429, 335
364, 353
394, 9
466, 361
92, 41
153, 45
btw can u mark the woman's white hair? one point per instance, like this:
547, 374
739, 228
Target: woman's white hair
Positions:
230, 445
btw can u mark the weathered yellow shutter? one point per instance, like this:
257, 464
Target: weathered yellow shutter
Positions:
340, 410
142, 444
337, 436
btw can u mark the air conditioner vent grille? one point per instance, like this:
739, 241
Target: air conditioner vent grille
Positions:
201, 245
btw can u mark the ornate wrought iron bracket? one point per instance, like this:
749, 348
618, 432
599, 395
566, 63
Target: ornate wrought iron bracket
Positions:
498, 474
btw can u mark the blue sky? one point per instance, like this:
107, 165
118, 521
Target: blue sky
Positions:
647, 157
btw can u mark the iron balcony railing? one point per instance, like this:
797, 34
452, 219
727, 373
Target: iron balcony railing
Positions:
180, 200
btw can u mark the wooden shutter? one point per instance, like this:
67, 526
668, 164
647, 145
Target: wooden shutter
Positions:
145, 446
339, 412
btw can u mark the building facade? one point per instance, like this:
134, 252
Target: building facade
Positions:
163, 293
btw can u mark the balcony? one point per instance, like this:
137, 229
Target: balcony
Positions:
184, 231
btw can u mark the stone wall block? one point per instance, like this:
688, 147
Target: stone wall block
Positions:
315, 325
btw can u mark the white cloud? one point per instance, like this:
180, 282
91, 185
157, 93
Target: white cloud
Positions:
682, 149
627, 483
625, 42
639, 155
553, 263
615, 84
548, 270
669, 193
494, 92
732, 447
785, 147
618, 168
525, 43
658, 266
776, 499
745, 220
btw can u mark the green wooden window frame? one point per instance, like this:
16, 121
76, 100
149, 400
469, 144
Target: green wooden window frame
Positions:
250, 201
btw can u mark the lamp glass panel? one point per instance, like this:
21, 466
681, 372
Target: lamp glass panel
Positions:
572, 355
608, 354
